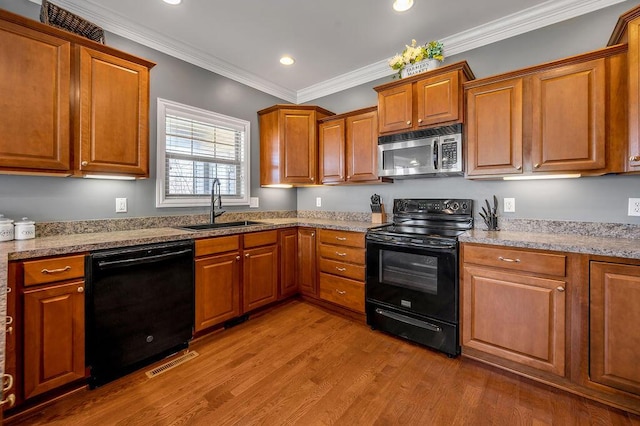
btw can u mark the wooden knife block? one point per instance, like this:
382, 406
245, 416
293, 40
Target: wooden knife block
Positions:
379, 217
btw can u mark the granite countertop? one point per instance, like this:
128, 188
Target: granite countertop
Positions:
584, 244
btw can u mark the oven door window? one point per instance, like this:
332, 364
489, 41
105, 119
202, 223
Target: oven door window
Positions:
416, 272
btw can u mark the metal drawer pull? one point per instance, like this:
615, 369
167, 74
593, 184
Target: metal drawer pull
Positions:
560, 288
634, 158
341, 292
341, 254
7, 382
8, 322
506, 259
10, 400
341, 238
56, 271
341, 269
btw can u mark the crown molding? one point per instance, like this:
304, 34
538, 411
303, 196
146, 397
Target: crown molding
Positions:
548, 13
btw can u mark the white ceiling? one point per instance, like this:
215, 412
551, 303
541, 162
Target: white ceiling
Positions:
337, 44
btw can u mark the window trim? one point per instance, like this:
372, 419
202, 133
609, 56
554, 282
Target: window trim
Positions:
198, 114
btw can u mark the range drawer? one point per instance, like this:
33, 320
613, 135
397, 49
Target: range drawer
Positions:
343, 254
519, 260
347, 270
343, 238
44, 271
342, 291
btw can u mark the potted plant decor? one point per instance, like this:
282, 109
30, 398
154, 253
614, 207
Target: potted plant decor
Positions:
415, 59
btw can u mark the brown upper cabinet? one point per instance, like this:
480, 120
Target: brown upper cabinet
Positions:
348, 147
628, 31
288, 144
559, 117
425, 100
70, 106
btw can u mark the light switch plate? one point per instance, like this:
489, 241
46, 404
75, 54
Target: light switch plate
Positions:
318, 201
254, 202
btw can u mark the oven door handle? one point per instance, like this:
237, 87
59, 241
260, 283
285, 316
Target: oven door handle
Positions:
408, 320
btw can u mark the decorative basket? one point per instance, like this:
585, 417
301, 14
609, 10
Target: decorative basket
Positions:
419, 67
56, 16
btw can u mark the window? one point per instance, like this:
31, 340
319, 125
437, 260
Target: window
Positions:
194, 147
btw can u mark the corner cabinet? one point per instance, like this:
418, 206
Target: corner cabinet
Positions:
70, 106
348, 146
425, 100
559, 117
289, 144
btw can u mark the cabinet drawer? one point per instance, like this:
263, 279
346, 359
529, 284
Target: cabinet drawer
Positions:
217, 245
519, 260
343, 254
343, 238
257, 239
343, 291
347, 270
51, 270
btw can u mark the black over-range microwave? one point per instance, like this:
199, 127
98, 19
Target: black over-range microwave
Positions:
429, 152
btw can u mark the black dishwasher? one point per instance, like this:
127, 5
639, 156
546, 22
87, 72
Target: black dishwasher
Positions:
140, 306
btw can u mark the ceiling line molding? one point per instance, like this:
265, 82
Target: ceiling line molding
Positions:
548, 13
545, 14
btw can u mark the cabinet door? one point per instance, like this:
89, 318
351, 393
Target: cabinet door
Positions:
34, 100
494, 128
331, 151
520, 318
568, 132
438, 99
53, 337
113, 115
298, 154
288, 262
634, 95
307, 261
260, 277
217, 289
395, 108
614, 332
362, 147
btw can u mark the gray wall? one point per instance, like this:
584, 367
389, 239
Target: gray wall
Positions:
597, 199
600, 199
55, 198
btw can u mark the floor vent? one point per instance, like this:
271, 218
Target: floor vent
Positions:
171, 364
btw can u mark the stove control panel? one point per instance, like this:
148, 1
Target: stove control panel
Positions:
433, 206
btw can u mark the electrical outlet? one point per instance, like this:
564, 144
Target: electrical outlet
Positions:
509, 205
634, 206
254, 202
121, 205
318, 201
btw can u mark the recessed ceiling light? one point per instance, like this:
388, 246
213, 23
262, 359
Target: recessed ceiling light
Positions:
287, 60
173, 1
402, 5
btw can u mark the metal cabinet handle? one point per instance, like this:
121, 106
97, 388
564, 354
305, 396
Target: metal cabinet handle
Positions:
7, 382
341, 254
419, 120
313, 234
10, 400
312, 179
9, 330
56, 271
536, 165
518, 167
238, 258
341, 292
246, 255
560, 288
506, 259
341, 269
341, 238
84, 163
8, 322
80, 289
409, 123
634, 158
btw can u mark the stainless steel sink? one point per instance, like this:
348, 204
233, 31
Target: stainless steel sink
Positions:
205, 226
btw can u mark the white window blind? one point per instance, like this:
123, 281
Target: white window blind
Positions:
194, 147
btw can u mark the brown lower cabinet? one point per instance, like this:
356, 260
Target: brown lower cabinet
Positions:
288, 263
53, 337
307, 269
565, 319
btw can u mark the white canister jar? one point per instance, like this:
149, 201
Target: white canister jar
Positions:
6, 229
25, 229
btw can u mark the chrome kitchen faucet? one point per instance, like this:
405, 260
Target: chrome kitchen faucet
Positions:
215, 199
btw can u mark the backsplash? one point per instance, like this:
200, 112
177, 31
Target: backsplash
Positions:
587, 229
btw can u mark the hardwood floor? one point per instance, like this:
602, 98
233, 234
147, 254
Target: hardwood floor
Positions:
299, 364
